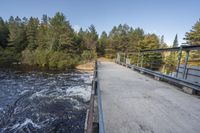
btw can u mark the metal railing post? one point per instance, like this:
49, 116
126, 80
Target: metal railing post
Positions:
142, 60
179, 61
138, 59
185, 63
124, 58
194, 85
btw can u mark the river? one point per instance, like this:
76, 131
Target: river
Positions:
43, 102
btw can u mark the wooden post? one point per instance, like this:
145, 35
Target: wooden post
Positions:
179, 61
185, 63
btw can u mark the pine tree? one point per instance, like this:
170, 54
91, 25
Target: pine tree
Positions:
152, 60
162, 42
171, 60
17, 35
103, 40
91, 38
81, 41
61, 34
193, 37
3, 33
119, 36
175, 43
136, 36
43, 36
31, 33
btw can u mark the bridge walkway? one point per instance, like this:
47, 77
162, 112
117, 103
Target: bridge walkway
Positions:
134, 103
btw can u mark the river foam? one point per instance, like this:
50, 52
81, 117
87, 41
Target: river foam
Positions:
42, 102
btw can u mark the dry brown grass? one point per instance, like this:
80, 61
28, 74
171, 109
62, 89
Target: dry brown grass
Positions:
89, 66
102, 59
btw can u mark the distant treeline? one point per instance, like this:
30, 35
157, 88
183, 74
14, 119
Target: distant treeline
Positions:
53, 43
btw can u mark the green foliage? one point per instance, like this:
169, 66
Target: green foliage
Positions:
41, 57
48, 43
53, 43
62, 61
119, 37
3, 33
31, 33
17, 35
42, 37
90, 38
28, 57
103, 41
162, 42
171, 62
193, 37
123, 38
61, 34
53, 59
151, 60
9, 55
88, 55
175, 43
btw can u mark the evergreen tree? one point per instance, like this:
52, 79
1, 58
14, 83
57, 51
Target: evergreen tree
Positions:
17, 35
171, 60
152, 60
162, 42
136, 36
3, 33
45, 20
42, 35
31, 32
52, 42
175, 43
193, 37
103, 40
61, 33
120, 38
91, 38
81, 40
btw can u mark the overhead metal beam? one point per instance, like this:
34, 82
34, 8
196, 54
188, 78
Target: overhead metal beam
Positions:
184, 48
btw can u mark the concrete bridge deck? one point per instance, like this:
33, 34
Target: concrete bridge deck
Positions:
134, 103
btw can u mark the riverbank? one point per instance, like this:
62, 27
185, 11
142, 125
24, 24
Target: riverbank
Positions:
89, 66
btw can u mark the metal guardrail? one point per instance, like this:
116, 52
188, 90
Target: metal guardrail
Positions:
101, 119
190, 71
176, 80
94, 119
168, 78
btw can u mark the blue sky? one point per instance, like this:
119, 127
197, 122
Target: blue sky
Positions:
163, 17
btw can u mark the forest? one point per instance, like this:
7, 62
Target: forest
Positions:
51, 42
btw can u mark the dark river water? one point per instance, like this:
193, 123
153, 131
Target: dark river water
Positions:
42, 102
